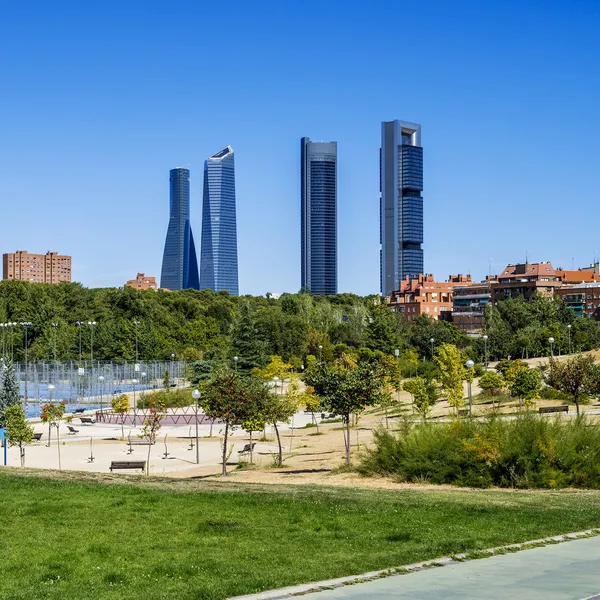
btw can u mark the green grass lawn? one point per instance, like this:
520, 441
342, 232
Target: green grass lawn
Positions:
70, 538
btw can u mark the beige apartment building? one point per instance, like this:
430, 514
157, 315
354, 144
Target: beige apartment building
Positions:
37, 268
142, 282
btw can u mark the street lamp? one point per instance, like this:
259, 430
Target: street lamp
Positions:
320, 353
276, 383
569, 330
485, 339
134, 381
25, 326
80, 324
50, 390
91, 325
3, 325
432, 341
470, 364
173, 369
55, 327
143, 375
137, 324
551, 340
101, 380
196, 396
235, 361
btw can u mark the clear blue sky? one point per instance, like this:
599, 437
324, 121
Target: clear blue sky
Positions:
100, 99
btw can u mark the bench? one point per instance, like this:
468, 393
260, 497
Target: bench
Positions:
37, 436
87, 420
140, 443
72, 430
553, 409
247, 449
127, 464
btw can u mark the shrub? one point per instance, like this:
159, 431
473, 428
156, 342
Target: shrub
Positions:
527, 452
166, 399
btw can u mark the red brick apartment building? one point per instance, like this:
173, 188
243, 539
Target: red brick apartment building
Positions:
37, 268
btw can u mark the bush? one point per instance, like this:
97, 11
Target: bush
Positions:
167, 399
527, 452
549, 393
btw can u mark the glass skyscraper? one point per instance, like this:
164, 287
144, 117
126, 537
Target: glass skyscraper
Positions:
318, 189
180, 265
218, 253
401, 207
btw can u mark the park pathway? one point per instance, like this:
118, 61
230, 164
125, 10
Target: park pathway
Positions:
565, 571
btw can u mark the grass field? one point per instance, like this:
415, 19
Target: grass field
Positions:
69, 538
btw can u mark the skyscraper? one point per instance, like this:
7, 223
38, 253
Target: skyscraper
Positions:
401, 207
180, 265
318, 188
218, 254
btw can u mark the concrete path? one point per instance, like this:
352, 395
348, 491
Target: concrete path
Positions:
566, 571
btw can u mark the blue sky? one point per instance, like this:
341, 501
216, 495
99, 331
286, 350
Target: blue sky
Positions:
100, 99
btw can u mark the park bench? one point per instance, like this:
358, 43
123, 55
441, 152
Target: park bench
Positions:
72, 430
553, 409
37, 436
140, 443
329, 416
87, 420
78, 411
247, 449
127, 464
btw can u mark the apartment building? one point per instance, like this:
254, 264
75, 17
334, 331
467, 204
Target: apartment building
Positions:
37, 268
142, 282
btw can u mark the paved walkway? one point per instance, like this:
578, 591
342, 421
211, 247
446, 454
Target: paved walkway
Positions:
566, 571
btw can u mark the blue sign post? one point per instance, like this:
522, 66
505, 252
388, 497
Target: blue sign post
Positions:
4, 443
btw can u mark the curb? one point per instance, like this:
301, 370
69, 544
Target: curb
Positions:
330, 584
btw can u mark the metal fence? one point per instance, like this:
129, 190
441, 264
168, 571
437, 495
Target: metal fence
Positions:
88, 384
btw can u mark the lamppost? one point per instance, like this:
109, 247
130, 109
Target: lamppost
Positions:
25, 326
3, 325
320, 353
432, 341
12, 340
196, 396
101, 380
137, 324
485, 354
143, 375
173, 369
235, 361
91, 325
55, 328
50, 391
470, 364
569, 331
551, 340
134, 381
80, 324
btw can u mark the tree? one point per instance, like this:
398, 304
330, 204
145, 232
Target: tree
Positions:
167, 380
509, 369
576, 376
53, 414
20, 433
229, 397
275, 368
279, 409
10, 394
452, 373
151, 428
120, 406
526, 385
424, 394
246, 341
492, 383
347, 391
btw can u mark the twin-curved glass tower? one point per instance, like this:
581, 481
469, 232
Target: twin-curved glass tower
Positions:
180, 265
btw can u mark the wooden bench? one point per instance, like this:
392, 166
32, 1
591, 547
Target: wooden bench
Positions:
140, 443
127, 464
87, 420
37, 437
553, 409
72, 430
247, 449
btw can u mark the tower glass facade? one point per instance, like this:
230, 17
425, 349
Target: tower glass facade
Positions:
218, 254
401, 205
318, 188
180, 265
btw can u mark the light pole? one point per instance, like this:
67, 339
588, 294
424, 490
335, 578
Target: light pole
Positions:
173, 369
432, 341
12, 340
320, 353
55, 328
136, 324
134, 381
50, 390
3, 325
485, 354
101, 380
196, 396
551, 340
25, 326
143, 375
91, 325
470, 364
79, 324
235, 361
569, 331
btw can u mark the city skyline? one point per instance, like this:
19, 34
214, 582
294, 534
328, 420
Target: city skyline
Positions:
318, 221
108, 116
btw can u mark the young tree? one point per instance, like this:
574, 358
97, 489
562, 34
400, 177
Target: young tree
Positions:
526, 385
424, 394
279, 409
575, 376
20, 433
492, 383
120, 405
53, 414
151, 428
275, 368
167, 380
452, 373
10, 394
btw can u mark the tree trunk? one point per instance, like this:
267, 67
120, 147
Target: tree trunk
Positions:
280, 463
49, 434
348, 439
224, 469
576, 397
58, 445
251, 453
387, 424
123, 426
22, 454
148, 461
